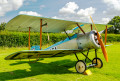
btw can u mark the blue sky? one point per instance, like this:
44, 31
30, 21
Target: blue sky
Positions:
78, 10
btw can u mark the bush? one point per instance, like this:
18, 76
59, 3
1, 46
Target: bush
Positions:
14, 39
112, 37
2, 26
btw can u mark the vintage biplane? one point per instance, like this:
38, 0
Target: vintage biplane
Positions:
84, 40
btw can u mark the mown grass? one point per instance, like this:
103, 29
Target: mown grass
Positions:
58, 68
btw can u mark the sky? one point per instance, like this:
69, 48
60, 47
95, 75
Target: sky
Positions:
102, 11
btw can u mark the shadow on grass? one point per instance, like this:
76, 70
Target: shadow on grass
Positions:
57, 67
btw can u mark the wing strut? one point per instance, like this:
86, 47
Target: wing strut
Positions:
40, 34
80, 28
67, 34
29, 39
105, 34
91, 27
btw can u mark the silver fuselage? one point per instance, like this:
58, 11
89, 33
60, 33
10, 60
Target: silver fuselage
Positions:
78, 41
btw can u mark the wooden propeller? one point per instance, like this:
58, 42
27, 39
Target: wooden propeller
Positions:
99, 38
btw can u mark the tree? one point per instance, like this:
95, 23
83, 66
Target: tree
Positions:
2, 26
116, 22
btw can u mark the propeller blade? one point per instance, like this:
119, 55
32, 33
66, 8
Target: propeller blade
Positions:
100, 42
102, 46
106, 35
93, 23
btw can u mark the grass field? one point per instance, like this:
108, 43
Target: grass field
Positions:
59, 68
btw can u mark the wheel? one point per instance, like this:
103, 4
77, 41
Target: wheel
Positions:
99, 63
80, 66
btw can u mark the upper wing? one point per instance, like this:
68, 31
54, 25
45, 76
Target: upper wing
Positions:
29, 54
23, 22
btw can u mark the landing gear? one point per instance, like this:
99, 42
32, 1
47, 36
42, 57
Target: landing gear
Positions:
80, 66
98, 62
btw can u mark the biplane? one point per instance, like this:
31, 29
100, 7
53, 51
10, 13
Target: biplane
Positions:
87, 38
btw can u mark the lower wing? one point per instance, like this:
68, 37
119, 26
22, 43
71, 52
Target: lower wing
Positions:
30, 54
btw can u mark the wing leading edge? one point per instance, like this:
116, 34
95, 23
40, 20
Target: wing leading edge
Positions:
26, 54
23, 22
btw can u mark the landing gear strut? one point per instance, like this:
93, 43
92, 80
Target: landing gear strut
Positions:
81, 65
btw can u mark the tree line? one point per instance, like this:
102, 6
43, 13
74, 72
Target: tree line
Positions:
116, 22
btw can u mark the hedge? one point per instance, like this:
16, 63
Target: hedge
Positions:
14, 39
112, 37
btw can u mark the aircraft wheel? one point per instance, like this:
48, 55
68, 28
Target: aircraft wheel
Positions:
99, 62
80, 66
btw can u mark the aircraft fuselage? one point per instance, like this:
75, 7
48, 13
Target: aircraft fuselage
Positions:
78, 41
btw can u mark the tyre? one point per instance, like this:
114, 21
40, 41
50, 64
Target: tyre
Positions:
99, 63
80, 66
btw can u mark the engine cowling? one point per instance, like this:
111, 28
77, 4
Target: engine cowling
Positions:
88, 40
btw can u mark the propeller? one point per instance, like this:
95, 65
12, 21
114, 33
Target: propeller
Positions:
99, 38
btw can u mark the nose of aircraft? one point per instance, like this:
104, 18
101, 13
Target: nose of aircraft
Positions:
99, 38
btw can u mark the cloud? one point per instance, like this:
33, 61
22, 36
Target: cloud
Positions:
113, 7
86, 12
30, 13
9, 5
69, 8
72, 12
115, 4
105, 20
